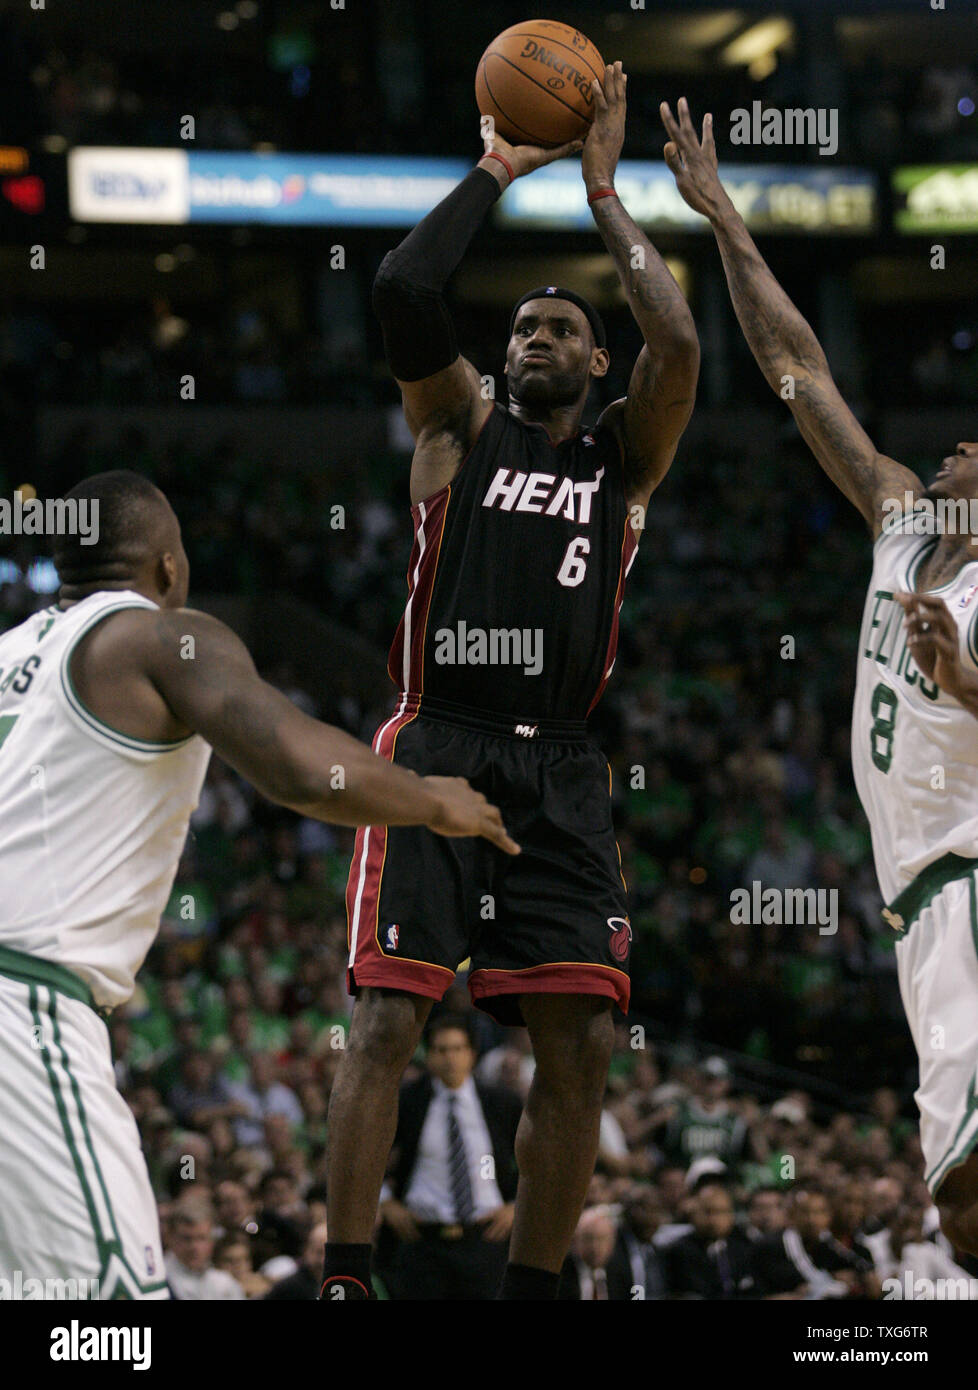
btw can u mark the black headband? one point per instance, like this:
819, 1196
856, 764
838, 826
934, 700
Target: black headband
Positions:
556, 292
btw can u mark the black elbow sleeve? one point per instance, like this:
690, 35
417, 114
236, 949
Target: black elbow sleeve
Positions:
419, 336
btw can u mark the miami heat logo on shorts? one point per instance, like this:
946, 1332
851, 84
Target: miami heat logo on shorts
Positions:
621, 937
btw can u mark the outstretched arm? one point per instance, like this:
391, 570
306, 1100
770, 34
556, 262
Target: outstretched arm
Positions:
312, 767
441, 390
783, 344
662, 388
162, 675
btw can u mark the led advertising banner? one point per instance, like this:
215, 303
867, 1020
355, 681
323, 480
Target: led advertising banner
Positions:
177, 186
936, 198
770, 198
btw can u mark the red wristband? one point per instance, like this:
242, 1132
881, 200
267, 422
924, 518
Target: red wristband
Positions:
601, 193
491, 154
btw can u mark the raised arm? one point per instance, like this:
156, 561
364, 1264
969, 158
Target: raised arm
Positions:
662, 387
162, 675
782, 341
441, 390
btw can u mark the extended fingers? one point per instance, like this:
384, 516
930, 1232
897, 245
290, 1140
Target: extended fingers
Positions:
612, 89
494, 830
668, 120
672, 157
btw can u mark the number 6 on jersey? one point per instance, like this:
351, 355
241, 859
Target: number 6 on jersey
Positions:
574, 566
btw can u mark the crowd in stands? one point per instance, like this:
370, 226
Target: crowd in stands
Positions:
700, 1192
759, 1135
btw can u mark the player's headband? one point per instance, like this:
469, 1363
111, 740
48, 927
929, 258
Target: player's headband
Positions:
556, 292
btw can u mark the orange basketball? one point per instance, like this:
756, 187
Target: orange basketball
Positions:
534, 80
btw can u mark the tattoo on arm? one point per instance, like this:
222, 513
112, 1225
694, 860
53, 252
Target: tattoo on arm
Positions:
790, 355
780, 338
655, 299
662, 387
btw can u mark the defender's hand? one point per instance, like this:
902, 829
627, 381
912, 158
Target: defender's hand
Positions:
524, 158
693, 162
602, 148
932, 636
462, 811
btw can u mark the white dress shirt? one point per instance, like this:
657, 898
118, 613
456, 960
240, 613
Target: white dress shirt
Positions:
210, 1284
429, 1191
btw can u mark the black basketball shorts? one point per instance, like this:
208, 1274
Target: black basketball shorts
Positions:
551, 920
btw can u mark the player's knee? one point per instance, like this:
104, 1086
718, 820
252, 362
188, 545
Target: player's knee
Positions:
385, 1030
598, 1045
578, 1053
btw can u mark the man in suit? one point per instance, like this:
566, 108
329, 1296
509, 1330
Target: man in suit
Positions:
713, 1261
596, 1267
642, 1215
452, 1181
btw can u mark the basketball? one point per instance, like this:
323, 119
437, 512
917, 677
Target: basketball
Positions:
534, 80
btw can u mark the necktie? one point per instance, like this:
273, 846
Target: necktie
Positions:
719, 1251
600, 1284
458, 1167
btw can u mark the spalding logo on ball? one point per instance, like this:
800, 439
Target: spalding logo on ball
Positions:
621, 937
534, 80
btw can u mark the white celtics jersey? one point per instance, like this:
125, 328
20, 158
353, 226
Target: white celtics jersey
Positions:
914, 748
92, 821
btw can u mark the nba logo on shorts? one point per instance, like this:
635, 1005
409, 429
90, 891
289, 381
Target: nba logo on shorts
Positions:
621, 937
392, 934
150, 1259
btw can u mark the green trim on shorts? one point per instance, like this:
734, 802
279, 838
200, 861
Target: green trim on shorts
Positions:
112, 1260
907, 906
100, 1243
32, 970
954, 1157
951, 1158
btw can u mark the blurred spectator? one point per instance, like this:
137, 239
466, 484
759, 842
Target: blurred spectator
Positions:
804, 1261
916, 1265
642, 1215
705, 1124
591, 1271
232, 1254
714, 1260
190, 1271
304, 1284
259, 1097
450, 1210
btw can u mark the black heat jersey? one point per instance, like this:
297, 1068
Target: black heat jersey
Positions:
517, 575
